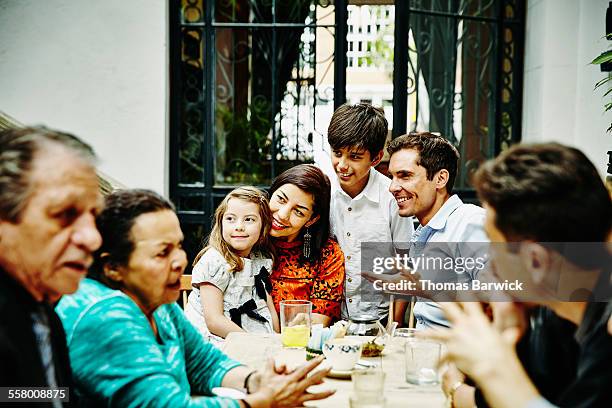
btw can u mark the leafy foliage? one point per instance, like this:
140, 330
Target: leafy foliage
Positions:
605, 57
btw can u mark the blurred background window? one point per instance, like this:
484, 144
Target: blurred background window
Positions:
254, 84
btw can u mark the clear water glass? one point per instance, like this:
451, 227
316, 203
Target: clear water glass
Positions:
422, 358
367, 382
363, 401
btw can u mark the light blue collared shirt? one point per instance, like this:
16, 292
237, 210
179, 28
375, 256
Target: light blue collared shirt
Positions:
455, 222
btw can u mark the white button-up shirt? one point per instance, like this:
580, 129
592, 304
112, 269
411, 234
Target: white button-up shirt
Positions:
372, 216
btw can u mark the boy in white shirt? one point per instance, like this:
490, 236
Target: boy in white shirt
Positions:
362, 209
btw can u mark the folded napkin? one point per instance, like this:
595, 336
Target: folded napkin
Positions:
319, 335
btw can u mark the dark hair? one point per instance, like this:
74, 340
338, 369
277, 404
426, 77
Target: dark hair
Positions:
18, 150
546, 192
435, 153
361, 126
552, 194
115, 223
310, 179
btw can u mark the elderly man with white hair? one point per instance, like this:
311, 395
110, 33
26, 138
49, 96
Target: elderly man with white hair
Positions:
49, 199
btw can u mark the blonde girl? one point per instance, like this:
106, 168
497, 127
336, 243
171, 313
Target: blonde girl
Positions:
231, 275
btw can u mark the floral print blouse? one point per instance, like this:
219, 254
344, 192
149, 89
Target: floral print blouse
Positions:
321, 281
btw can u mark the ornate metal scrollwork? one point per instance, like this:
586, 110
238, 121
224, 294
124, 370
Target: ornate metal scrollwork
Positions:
461, 73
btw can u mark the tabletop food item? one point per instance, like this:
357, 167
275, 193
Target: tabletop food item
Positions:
372, 348
368, 325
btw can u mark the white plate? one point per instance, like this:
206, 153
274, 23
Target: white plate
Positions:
344, 374
228, 393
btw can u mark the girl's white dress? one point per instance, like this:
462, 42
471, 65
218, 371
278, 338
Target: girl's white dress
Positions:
239, 292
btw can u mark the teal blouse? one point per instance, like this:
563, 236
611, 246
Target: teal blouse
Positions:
117, 360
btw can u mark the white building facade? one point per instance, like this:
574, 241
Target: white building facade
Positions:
100, 69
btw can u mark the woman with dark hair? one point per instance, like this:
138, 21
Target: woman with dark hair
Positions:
309, 265
130, 345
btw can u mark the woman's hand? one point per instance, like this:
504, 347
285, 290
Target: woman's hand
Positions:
318, 318
289, 389
298, 319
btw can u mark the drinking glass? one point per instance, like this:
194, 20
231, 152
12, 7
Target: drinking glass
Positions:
295, 320
405, 333
422, 357
361, 401
368, 382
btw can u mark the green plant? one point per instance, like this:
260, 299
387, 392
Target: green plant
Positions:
603, 58
380, 52
246, 141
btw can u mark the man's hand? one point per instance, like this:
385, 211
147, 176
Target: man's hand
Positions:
473, 344
485, 354
510, 316
450, 377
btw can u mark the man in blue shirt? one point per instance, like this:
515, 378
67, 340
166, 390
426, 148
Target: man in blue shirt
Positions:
424, 167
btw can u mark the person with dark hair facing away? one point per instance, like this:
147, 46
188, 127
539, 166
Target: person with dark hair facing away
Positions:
130, 343
548, 214
362, 210
48, 202
308, 264
546, 336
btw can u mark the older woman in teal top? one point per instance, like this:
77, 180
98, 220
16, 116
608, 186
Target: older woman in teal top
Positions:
130, 344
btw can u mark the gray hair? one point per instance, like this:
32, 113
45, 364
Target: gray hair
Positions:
18, 148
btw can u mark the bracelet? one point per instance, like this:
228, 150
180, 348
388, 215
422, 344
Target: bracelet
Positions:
246, 383
453, 390
246, 404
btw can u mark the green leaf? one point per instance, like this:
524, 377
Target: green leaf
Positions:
608, 106
604, 57
607, 92
601, 82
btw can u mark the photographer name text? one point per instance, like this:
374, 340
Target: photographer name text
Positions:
428, 285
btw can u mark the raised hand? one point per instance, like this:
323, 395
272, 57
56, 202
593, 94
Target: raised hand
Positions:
291, 389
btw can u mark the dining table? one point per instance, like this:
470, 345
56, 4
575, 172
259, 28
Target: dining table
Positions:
253, 349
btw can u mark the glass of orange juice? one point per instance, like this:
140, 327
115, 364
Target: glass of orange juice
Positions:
295, 320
